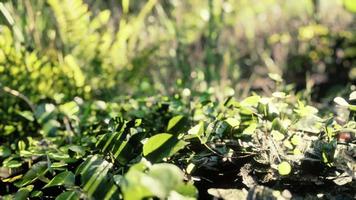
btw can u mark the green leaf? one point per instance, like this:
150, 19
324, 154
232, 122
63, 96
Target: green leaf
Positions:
250, 101
278, 126
27, 115
284, 168
37, 170
162, 145
21, 145
12, 164
303, 110
36, 193
23, 193
352, 107
167, 174
278, 136
250, 129
296, 140
4, 151
69, 109
197, 130
76, 150
66, 178
69, 195
158, 180
58, 165
95, 180
176, 124
233, 122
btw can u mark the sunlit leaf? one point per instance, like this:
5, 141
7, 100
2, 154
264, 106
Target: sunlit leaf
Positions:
94, 178
65, 178
284, 168
250, 129
159, 180
162, 145
278, 136
197, 130
176, 124
250, 101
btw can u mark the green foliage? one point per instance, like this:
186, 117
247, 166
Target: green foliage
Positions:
160, 180
108, 157
245, 100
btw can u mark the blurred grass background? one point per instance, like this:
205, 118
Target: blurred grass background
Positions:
59, 49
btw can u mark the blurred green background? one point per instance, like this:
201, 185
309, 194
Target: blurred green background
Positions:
59, 49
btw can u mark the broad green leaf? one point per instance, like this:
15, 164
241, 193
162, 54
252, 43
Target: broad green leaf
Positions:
233, 122
4, 151
197, 130
303, 110
139, 185
176, 124
66, 178
79, 151
37, 170
284, 168
278, 126
123, 142
167, 174
250, 129
156, 141
23, 193
250, 101
296, 140
278, 136
158, 180
27, 115
162, 145
95, 181
69, 195
69, 109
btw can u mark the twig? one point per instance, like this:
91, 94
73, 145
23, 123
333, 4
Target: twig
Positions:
19, 95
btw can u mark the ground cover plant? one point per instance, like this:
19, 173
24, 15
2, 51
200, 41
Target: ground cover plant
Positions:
177, 100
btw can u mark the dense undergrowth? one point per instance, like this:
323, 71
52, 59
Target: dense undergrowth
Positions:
174, 99
178, 148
